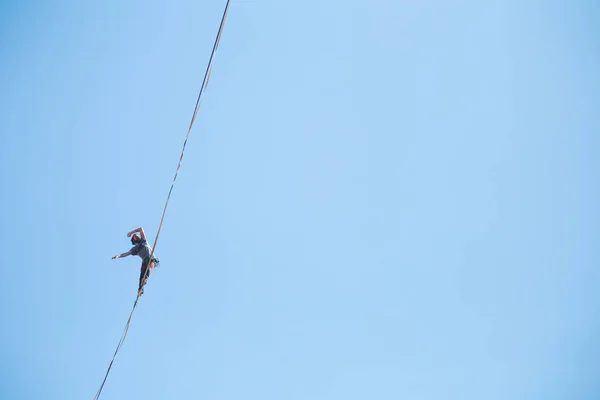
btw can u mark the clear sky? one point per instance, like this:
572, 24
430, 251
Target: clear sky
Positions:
379, 200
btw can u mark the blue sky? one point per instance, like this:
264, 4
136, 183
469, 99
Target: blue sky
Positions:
391, 200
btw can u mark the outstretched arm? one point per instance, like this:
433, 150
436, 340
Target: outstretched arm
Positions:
138, 230
122, 255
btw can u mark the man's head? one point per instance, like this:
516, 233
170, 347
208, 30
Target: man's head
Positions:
135, 239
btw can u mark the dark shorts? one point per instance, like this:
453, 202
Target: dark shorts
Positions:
145, 262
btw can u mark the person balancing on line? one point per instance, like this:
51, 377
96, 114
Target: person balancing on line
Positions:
141, 248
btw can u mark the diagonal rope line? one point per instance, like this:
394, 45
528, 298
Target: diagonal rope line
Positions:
198, 101
162, 218
117, 350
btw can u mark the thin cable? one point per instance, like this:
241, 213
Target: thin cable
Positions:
117, 350
198, 101
162, 218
